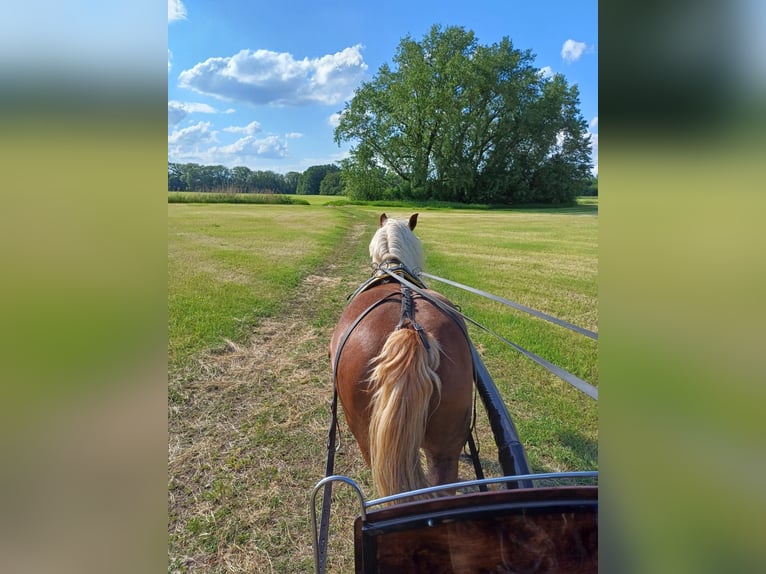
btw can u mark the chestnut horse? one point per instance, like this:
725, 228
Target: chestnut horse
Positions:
403, 370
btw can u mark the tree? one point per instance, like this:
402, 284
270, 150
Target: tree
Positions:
291, 181
240, 179
193, 177
175, 177
217, 178
459, 121
332, 184
311, 179
592, 188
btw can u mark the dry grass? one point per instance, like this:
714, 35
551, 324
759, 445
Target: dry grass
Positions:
247, 440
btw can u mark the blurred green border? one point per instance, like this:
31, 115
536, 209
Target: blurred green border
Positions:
82, 300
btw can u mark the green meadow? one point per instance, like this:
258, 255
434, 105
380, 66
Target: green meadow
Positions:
254, 291
229, 265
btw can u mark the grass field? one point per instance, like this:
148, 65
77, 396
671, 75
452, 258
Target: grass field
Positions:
229, 265
254, 292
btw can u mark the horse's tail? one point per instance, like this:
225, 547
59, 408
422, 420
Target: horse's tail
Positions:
403, 381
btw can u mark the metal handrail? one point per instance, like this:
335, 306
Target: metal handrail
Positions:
320, 553
481, 482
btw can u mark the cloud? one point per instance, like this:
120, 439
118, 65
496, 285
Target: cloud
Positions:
199, 144
594, 143
178, 111
270, 147
571, 51
293, 135
250, 129
192, 136
264, 77
546, 72
334, 120
176, 11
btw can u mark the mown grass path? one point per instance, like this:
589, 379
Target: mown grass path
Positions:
248, 418
247, 424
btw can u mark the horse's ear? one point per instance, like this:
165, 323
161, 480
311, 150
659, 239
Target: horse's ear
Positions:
413, 221
383, 218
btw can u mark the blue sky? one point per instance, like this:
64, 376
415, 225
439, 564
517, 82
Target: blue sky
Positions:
260, 84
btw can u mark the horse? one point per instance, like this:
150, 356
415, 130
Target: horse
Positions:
403, 370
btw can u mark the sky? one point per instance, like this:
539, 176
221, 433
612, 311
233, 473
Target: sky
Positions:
261, 84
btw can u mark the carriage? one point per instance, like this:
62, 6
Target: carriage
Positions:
404, 370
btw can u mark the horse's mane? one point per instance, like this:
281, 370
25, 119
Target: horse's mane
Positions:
395, 240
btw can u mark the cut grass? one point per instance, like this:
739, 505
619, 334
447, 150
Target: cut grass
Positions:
229, 265
247, 426
547, 262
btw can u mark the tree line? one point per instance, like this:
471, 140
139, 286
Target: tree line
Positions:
218, 178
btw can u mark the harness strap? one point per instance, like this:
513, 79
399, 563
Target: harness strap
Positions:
381, 273
476, 460
349, 330
408, 315
324, 521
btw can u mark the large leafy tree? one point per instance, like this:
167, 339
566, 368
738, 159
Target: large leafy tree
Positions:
460, 121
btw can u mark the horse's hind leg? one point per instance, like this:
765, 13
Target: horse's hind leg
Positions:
442, 467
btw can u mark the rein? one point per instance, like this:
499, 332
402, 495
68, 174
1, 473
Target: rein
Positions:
324, 523
518, 306
566, 376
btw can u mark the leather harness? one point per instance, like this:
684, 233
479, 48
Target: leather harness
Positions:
386, 272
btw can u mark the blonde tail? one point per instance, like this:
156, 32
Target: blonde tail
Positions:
403, 380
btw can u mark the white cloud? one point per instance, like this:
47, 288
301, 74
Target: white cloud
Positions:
334, 119
199, 144
572, 50
266, 77
546, 72
293, 135
170, 59
192, 136
178, 111
250, 129
176, 10
594, 145
269, 147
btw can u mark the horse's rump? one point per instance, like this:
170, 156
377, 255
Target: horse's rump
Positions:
424, 394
